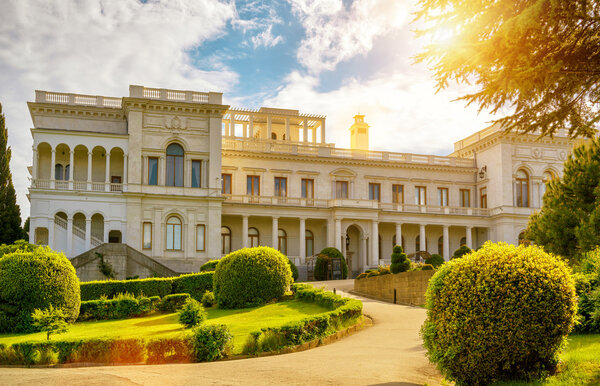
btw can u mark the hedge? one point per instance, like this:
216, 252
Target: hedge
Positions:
172, 303
195, 284
344, 311
122, 307
203, 344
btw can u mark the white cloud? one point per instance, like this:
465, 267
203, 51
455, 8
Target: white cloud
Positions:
266, 38
335, 32
100, 47
404, 113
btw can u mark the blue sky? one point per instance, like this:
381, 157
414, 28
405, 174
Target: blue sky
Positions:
330, 57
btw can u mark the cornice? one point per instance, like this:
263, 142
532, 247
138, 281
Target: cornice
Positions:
192, 109
78, 133
76, 111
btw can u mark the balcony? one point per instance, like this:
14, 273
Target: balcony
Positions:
78, 186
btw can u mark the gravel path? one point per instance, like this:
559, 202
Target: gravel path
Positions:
389, 352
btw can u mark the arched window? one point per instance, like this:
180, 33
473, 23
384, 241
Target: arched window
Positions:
523, 240
174, 233
273, 136
394, 242
282, 241
58, 172
253, 237
418, 243
309, 241
522, 188
225, 240
463, 241
174, 165
441, 246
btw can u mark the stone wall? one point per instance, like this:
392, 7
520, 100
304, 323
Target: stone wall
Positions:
410, 287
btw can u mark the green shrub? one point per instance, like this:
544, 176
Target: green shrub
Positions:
209, 265
19, 245
211, 342
172, 303
587, 283
195, 284
400, 262
460, 252
123, 306
169, 350
322, 263
500, 313
251, 276
294, 270
383, 270
51, 320
373, 273
427, 267
35, 280
362, 275
191, 313
435, 260
208, 299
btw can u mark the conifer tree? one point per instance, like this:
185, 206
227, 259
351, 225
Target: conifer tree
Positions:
10, 214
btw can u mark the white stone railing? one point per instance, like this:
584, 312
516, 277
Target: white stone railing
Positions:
175, 95
300, 148
76, 99
269, 200
77, 185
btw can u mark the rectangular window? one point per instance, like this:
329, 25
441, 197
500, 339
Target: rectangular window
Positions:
147, 236
398, 194
483, 198
308, 188
152, 171
443, 196
374, 191
200, 237
280, 187
341, 189
420, 195
253, 185
226, 183
196, 174
465, 198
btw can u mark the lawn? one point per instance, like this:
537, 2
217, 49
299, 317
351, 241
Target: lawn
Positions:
240, 322
580, 364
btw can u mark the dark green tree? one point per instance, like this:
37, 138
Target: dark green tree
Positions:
535, 61
460, 252
400, 262
10, 214
569, 222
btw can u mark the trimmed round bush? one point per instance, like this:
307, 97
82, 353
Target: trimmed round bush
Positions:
208, 299
400, 262
192, 313
322, 263
500, 313
460, 252
435, 260
294, 270
250, 277
36, 279
209, 265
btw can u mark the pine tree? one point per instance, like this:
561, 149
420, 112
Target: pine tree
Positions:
10, 214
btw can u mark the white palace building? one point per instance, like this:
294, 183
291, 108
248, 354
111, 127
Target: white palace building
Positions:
182, 178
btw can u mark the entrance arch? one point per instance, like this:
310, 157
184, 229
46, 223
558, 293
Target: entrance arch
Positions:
354, 236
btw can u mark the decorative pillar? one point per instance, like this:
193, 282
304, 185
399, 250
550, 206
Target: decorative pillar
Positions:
469, 237
106, 225
375, 243
269, 127
107, 178
53, 169
251, 133
244, 231
314, 134
161, 171
89, 171
302, 241
323, 131
305, 139
287, 129
364, 252
88, 233
232, 127
422, 239
71, 168
124, 172
274, 233
245, 130
227, 129
446, 248
70, 237
399, 234
50, 232
338, 234
34, 164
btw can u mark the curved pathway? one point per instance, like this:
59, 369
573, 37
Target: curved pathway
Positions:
389, 352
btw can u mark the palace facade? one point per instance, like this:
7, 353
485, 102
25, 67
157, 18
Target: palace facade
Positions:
182, 178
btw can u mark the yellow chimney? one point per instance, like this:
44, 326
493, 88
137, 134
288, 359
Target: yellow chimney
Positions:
359, 133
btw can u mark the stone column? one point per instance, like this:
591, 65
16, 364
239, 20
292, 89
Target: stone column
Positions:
245, 130
302, 241
106, 226
375, 243
232, 126
323, 131
364, 253
50, 232
53, 169
161, 171
469, 237
305, 129
125, 172
89, 171
70, 237
34, 164
251, 132
338, 234
227, 129
275, 228
399, 234
269, 127
88, 233
422, 238
244, 231
287, 129
446, 248
71, 168
107, 179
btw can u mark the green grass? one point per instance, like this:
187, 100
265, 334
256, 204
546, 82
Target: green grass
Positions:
580, 364
240, 322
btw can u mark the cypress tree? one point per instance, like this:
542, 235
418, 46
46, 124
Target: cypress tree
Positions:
10, 214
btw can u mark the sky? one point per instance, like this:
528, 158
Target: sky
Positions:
331, 57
